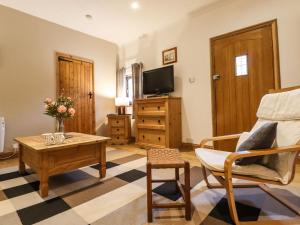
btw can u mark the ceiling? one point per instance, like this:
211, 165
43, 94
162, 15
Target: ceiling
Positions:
113, 20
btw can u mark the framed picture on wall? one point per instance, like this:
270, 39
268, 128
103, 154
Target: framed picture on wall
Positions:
169, 56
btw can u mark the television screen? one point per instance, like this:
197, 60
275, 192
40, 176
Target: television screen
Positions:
158, 81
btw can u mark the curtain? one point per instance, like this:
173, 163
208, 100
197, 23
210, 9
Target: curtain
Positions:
137, 71
120, 82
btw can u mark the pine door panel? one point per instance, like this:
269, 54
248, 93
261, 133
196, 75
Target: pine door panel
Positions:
236, 98
76, 80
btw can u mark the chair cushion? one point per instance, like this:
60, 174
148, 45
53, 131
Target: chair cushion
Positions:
280, 106
284, 108
214, 160
290, 127
288, 133
262, 138
244, 136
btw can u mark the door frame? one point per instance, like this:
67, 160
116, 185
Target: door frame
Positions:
73, 57
276, 61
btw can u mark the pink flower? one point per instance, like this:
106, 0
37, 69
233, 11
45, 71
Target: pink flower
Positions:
46, 107
72, 111
48, 100
61, 109
53, 103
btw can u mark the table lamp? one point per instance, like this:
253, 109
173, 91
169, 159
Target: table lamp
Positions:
121, 103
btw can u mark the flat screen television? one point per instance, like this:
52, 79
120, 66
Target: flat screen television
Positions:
158, 81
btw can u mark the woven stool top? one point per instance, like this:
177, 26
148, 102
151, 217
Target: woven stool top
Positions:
165, 158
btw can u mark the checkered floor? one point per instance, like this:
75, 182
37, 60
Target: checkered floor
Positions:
80, 198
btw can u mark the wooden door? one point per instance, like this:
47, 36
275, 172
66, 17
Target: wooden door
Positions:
244, 67
76, 79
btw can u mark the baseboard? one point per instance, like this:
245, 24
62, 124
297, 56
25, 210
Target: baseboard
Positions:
132, 140
8, 154
185, 146
192, 147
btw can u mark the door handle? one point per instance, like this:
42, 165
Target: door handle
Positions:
216, 77
90, 94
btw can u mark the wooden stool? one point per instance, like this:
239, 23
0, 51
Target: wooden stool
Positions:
164, 159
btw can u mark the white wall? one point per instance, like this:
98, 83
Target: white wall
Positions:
192, 35
27, 71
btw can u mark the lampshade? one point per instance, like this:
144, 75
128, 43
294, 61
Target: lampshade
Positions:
122, 101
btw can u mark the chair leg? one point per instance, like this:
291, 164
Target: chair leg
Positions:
205, 176
149, 193
187, 189
231, 202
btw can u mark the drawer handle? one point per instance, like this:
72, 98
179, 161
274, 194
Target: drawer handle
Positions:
117, 121
158, 107
118, 138
159, 138
143, 121
118, 129
143, 108
159, 121
143, 136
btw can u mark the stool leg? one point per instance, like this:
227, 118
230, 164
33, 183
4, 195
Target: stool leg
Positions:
149, 192
177, 178
187, 191
177, 173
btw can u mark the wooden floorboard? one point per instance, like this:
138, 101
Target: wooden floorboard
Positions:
186, 154
8, 163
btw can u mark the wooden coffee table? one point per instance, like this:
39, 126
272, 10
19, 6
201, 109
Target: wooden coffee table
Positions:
78, 151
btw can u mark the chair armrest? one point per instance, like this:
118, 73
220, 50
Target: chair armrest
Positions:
245, 154
219, 138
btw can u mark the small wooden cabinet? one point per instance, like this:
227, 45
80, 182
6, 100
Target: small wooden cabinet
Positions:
158, 122
119, 128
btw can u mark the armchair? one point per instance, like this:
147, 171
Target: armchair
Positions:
280, 170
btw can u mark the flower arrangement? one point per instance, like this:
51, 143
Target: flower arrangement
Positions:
60, 109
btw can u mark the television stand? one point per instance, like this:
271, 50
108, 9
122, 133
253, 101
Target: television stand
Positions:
158, 95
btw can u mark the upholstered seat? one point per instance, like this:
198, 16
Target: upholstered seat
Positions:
214, 160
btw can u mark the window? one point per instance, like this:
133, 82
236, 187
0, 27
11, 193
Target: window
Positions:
128, 82
241, 65
129, 88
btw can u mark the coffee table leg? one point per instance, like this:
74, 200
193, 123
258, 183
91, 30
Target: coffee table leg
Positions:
102, 169
44, 184
21, 162
44, 174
